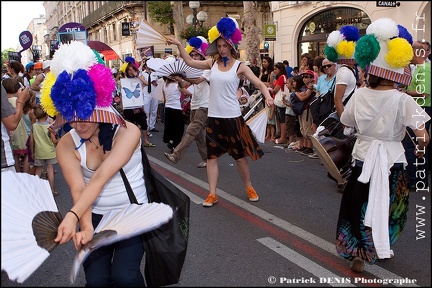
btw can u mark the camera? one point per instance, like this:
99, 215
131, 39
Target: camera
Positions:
22, 86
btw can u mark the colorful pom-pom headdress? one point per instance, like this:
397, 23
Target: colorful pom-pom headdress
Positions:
386, 50
227, 28
198, 44
128, 59
341, 44
78, 87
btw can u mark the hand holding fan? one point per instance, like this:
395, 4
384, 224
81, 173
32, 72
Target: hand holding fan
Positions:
115, 226
178, 68
30, 218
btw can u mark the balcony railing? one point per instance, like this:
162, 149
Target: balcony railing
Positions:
107, 10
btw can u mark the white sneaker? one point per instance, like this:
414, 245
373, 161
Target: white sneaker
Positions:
202, 164
149, 134
293, 144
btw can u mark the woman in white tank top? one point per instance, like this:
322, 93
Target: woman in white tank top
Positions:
227, 131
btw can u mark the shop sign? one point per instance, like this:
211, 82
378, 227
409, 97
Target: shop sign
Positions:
387, 4
270, 32
126, 29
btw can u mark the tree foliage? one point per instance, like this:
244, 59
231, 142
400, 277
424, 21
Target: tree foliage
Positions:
160, 11
5, 56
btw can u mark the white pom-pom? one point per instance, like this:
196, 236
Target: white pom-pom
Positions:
235, 21
334, 38
202, 39
383, 29
71, 57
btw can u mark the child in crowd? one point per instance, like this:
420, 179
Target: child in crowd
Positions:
42, 145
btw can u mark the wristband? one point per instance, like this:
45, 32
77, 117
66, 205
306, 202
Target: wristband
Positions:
74, 214
20, 102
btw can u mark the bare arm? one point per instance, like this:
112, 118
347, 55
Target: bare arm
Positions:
338, 95
124, 144
246, 71
12, 121
37, 82
199, 64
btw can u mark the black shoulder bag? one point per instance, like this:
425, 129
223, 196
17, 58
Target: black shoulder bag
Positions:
323, 105
165, 247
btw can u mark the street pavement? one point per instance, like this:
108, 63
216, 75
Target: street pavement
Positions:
284, 239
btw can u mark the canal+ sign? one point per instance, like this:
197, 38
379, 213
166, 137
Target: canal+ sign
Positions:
387, 4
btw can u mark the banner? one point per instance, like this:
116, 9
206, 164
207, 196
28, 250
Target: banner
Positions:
72, 31
131, 89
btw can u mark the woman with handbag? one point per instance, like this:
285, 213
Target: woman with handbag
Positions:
278, 93
90, 156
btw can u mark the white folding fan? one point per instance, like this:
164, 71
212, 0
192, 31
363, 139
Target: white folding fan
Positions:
156, 63
29, 222
178, 68
258, 124
147, 35
115, 226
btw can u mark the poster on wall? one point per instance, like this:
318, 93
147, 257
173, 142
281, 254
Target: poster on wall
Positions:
146, 52
131, 93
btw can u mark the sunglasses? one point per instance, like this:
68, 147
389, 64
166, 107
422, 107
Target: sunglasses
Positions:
327, 66
194, 54
307, 76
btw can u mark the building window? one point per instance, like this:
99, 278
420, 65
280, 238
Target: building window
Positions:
114, 31
313, 34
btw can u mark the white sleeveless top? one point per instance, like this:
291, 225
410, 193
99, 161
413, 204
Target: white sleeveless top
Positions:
223, 101
114, 195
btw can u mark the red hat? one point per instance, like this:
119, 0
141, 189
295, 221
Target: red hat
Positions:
38, 65
310, 72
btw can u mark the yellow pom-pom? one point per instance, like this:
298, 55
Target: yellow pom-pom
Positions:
46, 101
213, 34
123, 67
346, 49
400, 53
189, 49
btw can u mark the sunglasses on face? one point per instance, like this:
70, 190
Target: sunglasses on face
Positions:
327, 66
194, 54
306, 76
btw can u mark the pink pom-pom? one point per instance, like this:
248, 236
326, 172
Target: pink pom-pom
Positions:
104, 84
204, 47
236, 37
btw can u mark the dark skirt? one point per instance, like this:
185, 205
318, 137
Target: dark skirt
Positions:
232, 136
173, 126
353, 238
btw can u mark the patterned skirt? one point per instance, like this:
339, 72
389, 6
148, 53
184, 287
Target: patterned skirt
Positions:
353, 238
232, 136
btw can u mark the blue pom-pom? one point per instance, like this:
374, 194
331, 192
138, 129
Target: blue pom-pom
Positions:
351, 33
195, 42
403, 33
226, 27
130, 59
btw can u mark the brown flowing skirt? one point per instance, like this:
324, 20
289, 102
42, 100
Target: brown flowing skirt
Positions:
232, 136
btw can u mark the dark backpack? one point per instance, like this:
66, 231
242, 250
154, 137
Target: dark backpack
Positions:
297, 105
324, 105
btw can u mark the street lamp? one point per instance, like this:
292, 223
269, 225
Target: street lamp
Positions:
197, 18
